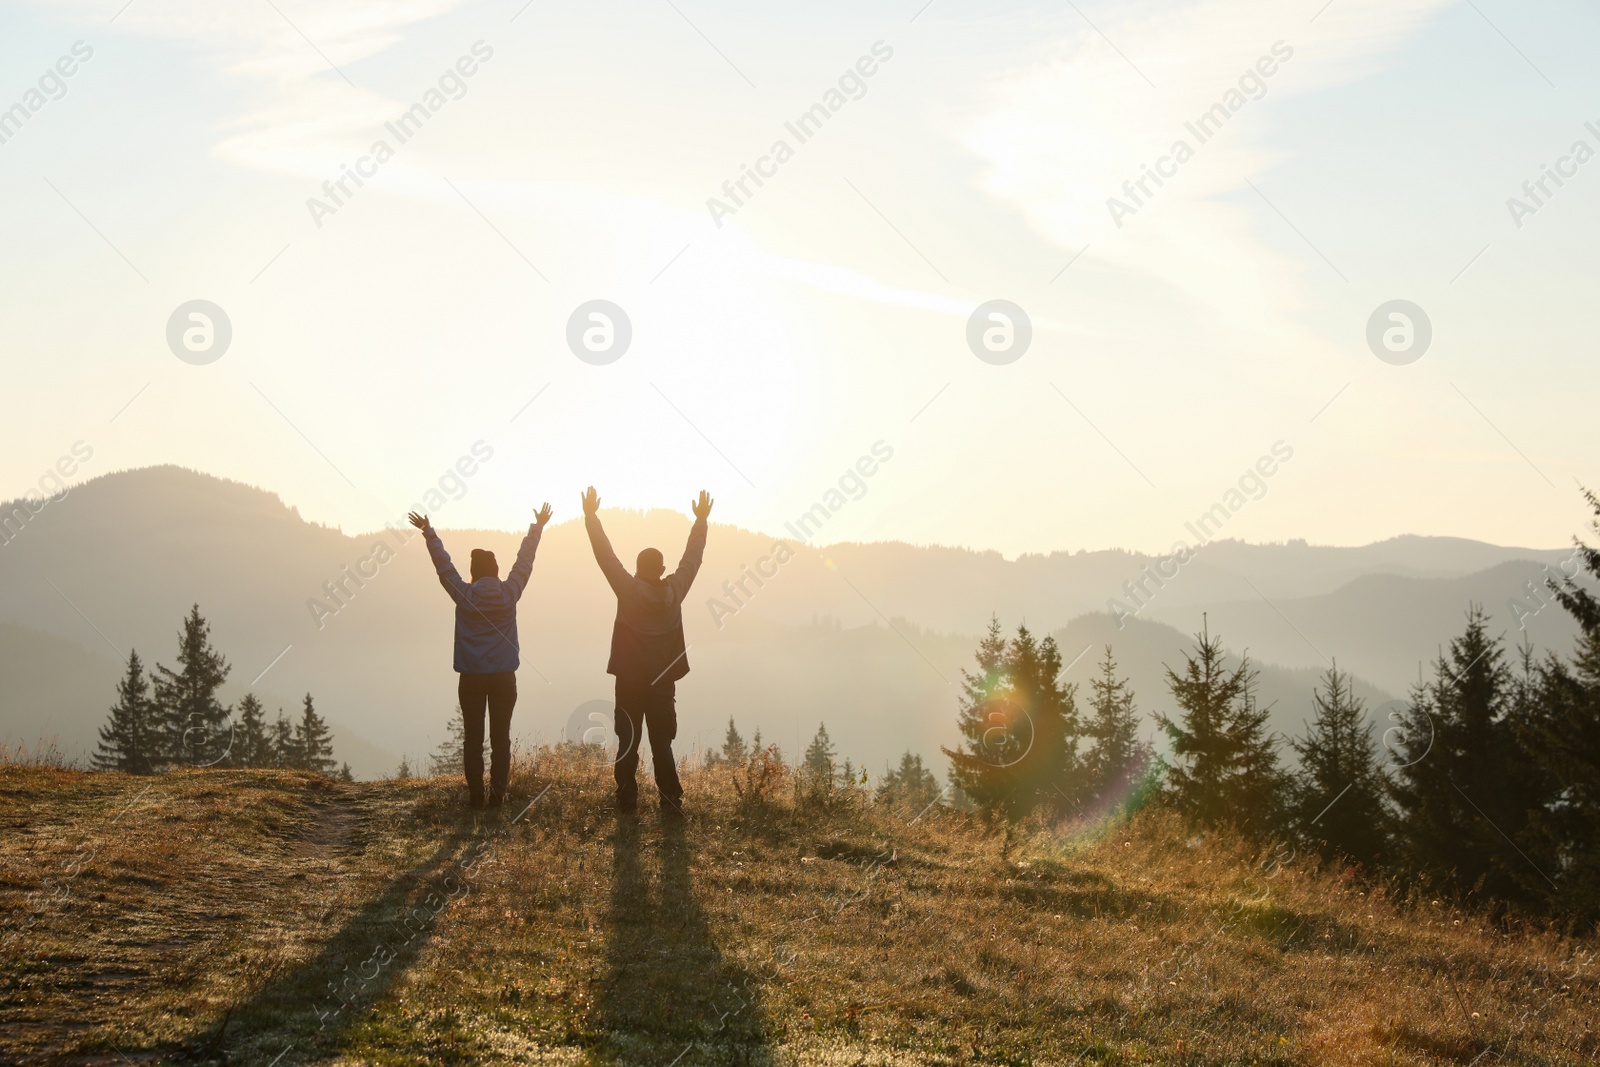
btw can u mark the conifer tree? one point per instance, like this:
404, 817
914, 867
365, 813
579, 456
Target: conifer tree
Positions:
313, 741
1460, 795
1339, 796
194, 724
851, 775
1020, 727
1563, 836
1579, 602
1225, 767
819, 763
733, 747
1115, 757
1564, 739
1535, 786
284, 752
130, 741
450, 756
911, 785
997, 732
403, 772
251, 745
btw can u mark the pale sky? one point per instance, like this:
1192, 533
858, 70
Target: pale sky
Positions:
374, 344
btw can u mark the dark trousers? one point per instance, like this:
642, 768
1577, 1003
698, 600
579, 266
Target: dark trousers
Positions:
499, 693
642, 709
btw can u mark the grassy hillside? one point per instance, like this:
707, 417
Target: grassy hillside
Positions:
260, 917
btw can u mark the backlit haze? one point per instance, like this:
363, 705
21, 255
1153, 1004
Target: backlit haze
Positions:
776, 340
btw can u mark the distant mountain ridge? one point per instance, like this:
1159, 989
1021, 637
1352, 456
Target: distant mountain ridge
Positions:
870, 638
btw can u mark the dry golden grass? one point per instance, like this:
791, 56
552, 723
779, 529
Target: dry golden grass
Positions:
231, 916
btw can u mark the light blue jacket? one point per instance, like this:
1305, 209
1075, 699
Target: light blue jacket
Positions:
486, 610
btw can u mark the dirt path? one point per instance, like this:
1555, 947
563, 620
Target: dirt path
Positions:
332, 832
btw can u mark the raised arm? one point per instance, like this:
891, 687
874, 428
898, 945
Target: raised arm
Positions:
616, 574
449, 577
682, 578
517, 580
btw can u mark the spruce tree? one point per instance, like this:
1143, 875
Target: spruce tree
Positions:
251, 745
194, 724
1116, 758
819, 763
1536, 787
313, 741
1579, 602
130, 741
285, 754
997, 733
450, 756
1020, 727
1462, 805
1225, 767
1563, 836
849, 775
1564, 739
733, 747
1339, 796
911, 785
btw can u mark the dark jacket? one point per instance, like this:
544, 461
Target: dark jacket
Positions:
486, 610
647, 638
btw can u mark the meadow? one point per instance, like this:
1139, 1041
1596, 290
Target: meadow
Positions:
280, 917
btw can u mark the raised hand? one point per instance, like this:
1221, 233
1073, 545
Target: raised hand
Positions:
542, 516
591, 501
702, 507
420, 521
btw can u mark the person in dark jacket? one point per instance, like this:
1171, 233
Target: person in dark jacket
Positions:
486, 651
648, 654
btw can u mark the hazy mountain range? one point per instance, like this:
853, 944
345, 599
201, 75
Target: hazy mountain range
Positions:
869, 638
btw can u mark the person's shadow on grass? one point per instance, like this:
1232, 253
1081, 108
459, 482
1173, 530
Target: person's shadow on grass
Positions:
669, 990
310, 1006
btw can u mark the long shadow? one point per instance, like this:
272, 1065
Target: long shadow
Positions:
670, 995
302, 1013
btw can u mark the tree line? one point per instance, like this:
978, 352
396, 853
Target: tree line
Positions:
170, 718
822, 778
1487, 784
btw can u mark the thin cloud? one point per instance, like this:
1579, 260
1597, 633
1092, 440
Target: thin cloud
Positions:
290, 60
1063, 136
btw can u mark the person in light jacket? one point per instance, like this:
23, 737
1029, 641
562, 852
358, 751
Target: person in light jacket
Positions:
648, 654
486, 651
